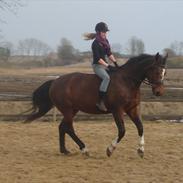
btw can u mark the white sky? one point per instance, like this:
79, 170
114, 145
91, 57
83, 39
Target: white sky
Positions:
157, 22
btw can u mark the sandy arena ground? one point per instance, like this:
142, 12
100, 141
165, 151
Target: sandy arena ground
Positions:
29, 154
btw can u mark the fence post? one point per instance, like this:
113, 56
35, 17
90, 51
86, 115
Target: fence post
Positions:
54, 114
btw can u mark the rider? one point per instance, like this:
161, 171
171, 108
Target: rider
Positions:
100, 49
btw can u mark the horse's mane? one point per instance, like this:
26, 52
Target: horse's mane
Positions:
138, 59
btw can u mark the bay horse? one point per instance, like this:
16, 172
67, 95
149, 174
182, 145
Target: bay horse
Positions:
75, 92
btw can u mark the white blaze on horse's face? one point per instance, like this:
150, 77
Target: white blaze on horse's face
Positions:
163, 74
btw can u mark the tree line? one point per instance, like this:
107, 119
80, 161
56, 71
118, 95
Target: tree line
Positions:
66, 53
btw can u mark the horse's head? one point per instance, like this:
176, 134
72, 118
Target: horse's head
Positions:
155, 74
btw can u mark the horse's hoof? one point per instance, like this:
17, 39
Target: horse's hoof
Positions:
140, 153
85, 152
65, 152
108, 152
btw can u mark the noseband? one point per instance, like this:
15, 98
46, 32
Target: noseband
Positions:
150, 83
153, 83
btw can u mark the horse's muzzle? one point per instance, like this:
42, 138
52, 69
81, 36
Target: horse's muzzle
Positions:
158, 90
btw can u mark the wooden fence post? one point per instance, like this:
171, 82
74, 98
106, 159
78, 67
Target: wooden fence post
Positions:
54, 114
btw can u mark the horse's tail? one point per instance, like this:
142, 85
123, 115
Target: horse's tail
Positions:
41, 101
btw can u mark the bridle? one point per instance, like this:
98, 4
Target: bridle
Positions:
153, 83
149, 83
146, 80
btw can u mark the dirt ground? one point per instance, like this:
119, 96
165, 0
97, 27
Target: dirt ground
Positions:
29, 154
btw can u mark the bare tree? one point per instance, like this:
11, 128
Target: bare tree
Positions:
181, 48
66, 51
131, 48
4, 54
33, 47
7, 45
135, 46
140, 47
10, 5
177, 47
169, 51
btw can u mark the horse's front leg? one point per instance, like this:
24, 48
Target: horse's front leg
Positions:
134, 114
118, 117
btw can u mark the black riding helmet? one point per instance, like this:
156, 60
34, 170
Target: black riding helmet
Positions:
101, 27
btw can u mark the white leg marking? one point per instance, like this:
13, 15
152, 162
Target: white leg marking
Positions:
113, 145
115, 142
141, 144
85, 150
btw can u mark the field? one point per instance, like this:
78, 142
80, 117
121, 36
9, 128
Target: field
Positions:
29, 154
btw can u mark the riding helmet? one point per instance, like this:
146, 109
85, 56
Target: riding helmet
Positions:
101, 27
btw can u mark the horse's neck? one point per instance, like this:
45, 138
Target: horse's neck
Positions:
134, 73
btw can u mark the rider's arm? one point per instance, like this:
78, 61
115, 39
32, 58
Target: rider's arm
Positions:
102, 62
112, 58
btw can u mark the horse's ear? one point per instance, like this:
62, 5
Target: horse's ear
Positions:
157, 56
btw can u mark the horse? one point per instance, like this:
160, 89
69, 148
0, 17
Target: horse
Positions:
75, 92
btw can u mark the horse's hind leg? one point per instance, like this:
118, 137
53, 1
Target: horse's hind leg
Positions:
76, 139
66, 126
62, 131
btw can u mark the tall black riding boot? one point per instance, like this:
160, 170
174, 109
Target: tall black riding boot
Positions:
101, 104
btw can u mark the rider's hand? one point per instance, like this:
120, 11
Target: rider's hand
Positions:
116, 64
111, 68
